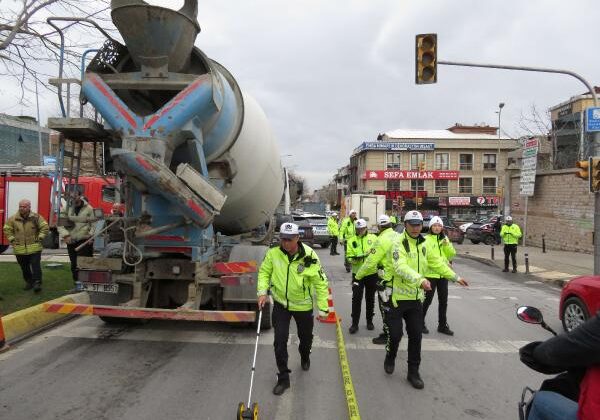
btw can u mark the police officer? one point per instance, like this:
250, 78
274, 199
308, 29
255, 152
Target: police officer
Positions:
411, 261
333, 228
439, 244
347, 231
378, 258
359, 247
510, 233
292, 273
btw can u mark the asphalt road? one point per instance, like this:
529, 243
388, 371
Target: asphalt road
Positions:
85, 369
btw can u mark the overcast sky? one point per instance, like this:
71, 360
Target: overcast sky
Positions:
332, 74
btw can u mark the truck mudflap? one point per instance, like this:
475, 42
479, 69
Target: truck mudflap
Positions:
180, 314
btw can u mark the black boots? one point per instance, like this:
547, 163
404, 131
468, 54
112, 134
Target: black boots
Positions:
389, 364
425, 329
353, 328
283, 383
414, 378
445, 329
305, 363
370, 326
381, 339
505, 270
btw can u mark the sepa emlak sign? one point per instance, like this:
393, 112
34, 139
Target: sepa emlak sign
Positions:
376, 175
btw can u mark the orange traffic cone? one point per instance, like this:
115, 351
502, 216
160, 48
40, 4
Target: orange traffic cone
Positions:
3, 345
331, 316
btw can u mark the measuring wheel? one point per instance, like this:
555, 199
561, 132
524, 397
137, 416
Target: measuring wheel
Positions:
244, 413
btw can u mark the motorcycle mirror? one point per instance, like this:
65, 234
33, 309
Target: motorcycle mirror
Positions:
530, 314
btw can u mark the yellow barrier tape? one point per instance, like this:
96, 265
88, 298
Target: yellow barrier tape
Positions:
346, 376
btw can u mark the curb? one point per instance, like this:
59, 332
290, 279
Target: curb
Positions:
26, 321
555, 282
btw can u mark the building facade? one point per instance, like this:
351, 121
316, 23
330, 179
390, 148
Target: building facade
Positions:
457, 172
19, 140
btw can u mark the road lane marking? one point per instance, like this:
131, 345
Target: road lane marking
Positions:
266, 339
454, 297
533, 282
487, 298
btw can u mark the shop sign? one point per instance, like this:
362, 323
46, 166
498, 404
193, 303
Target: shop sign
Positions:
459, 201
393, 175
393, 195
393, 146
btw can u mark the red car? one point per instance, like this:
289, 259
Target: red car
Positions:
579, 299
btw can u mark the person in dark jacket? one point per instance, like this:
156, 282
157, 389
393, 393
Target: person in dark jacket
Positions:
578, 354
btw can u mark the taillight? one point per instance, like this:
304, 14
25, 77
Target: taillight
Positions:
88, 276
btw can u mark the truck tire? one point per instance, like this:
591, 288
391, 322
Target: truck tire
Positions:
473, 241
3, 248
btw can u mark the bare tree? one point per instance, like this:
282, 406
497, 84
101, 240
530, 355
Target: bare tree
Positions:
535, 123
30, 48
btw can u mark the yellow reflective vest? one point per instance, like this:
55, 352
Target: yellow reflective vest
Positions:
294, 279
378, 258
510, 234
441, 246
411, 260
332, 227
347, 229
359, 248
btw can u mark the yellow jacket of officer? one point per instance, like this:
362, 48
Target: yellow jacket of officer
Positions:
359, 248
378, 257
510, 234
411, 260
441, 246
294, 279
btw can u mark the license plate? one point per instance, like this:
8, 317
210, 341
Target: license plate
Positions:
102, 288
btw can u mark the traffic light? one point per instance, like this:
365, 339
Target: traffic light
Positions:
426, 59
595, 175
584, 166
419, 201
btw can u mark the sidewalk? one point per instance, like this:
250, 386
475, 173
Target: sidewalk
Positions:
556, 267
48, 255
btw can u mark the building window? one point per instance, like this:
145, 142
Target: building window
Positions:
489, 161
466, 161
441, 186
392, 160
489, 186
442, 162
417, 185
393, 185
416, 159
465, 185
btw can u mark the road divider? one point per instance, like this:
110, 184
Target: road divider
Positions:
24, 322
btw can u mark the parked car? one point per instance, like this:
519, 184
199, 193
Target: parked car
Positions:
579, 299
319, 227
304, 228
452, 232
483, 232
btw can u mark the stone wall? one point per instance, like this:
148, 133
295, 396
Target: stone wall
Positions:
561, 209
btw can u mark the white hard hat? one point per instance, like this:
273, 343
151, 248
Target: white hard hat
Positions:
288, 230
413, 217
436, 219
334, 214
360, 223
508, 219
383, 219
352, 211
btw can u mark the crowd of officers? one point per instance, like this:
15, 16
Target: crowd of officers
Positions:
403, 269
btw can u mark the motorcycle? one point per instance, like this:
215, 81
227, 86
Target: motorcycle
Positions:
530, 315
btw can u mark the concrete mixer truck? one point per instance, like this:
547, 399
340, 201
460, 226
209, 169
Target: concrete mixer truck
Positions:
198, 168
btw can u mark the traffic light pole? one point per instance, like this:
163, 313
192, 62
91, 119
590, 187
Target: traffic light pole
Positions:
595, 142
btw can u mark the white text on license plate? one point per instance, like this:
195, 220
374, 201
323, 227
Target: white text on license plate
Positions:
102, 288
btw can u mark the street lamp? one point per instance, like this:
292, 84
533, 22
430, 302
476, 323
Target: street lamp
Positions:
501, 201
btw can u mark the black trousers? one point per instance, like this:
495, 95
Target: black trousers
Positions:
510, 250
281, 322
368, 284
383, 309
346, 260
333, 245
31, 268
441, 285
86, 251
411, 311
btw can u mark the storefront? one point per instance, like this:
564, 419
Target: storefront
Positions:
469, 208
